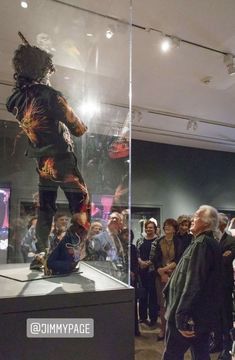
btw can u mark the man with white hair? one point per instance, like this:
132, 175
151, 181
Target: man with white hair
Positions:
107, 244
193, 291
227, 247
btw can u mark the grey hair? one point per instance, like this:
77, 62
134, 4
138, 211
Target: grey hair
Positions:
210, 216
223, 219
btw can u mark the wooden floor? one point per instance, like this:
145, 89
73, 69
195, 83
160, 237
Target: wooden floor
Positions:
148, 348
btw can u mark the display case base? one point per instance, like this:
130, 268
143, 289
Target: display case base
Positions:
90, 294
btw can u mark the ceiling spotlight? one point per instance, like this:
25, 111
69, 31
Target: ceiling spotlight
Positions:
110, 32
228, 60
192, 125
169, 42
166, 44
24, 4
195, 125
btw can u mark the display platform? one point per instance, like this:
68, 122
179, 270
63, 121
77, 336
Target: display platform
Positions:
90, 294
23, 274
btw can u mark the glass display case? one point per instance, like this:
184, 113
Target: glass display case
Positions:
89, 45
64, 176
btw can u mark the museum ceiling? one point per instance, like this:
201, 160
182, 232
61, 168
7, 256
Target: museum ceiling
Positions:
185, 96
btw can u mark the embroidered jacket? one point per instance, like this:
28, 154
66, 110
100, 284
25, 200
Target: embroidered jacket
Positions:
46, 118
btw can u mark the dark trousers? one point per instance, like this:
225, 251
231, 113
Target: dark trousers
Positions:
177, 345
54, 172
136, 318
222, 337
227, 319
148, 304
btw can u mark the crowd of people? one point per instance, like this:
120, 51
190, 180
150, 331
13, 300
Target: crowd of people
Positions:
187, 275
102, 241
183, 276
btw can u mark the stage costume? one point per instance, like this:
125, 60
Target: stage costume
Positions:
66, 255
46, 118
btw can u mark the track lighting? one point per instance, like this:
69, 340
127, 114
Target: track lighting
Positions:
169, 42
228, 60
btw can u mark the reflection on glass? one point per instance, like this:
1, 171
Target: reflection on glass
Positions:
90, 53
4, 222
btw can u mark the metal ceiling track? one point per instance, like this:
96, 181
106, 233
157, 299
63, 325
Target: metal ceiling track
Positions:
142, 27
181, 135
173, 115
6, 83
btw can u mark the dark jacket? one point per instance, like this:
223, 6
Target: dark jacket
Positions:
183, 242
134, 266
46, 119
144, 248
227, 242
194, 289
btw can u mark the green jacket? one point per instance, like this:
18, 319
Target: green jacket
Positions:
194, 289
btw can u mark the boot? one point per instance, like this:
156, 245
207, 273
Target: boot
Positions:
37, 262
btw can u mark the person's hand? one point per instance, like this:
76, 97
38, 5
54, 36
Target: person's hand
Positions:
61, 234
227, 253
143, 264
164, 278
187, 334
170, 267
161, 271
169, 271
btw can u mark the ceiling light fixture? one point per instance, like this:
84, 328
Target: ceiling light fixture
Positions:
169, 42
229, 62
166, 44
192, 125
110, 32
24, 4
